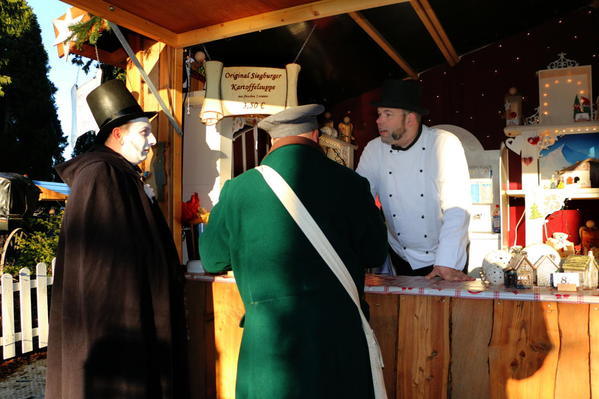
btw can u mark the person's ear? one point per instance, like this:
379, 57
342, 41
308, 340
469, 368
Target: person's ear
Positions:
411, 118
117, 134
314, 135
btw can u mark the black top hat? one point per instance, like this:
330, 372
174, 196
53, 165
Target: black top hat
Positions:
404, 94
112, 105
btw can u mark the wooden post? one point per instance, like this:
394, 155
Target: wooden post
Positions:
384, 315
470, 360
423, 350
524, 349
164, 66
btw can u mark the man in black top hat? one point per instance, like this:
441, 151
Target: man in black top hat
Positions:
421, 177
116, 319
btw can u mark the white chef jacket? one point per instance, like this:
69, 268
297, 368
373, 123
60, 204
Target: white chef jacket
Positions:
425, 195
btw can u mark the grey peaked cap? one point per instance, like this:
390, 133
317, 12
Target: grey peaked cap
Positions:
292, 121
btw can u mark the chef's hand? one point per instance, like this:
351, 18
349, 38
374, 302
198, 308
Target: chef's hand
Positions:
448, 273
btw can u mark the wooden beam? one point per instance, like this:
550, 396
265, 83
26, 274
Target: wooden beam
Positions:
428, 17
383, 43
126, 19
116, 58
273, 19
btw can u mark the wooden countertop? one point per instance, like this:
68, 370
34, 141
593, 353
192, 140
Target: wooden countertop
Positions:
404, 285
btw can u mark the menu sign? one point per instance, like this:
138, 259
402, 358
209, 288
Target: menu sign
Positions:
247, 91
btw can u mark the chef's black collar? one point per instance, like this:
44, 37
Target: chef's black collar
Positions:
398, 148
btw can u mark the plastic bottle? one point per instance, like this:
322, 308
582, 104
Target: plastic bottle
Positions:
496, 220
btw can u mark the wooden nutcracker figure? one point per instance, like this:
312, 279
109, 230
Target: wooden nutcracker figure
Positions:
346, 129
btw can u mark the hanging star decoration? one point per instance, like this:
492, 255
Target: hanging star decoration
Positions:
61, 27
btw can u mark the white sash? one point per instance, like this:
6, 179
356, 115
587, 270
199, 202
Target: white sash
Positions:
306, 223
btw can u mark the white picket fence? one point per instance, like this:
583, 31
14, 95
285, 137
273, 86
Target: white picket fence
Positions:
25, 285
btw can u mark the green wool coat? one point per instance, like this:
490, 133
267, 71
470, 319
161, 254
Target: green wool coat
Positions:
302, 334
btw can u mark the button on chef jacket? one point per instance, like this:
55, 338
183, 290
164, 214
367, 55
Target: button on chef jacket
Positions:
425, 196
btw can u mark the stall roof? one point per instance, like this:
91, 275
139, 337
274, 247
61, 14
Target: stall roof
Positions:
52, 190
355, 44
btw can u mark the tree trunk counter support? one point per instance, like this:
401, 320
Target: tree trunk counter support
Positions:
439, 339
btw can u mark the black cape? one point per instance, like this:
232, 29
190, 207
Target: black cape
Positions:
116, 319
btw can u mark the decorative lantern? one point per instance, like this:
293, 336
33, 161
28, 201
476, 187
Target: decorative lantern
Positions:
494, 265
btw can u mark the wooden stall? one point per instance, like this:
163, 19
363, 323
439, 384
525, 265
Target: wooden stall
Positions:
438, 339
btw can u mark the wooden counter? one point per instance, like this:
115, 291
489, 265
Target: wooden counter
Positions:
439, 339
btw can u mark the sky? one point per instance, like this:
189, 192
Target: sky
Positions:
62, 73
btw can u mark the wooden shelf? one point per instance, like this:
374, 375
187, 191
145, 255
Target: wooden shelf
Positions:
559, 130
583, 193
515, 193
571, 193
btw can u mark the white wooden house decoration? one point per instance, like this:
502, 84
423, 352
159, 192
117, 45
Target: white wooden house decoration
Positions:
586, 267
525, 273
516, 253
544, 266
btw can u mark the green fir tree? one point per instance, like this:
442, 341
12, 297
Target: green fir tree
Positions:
31, 138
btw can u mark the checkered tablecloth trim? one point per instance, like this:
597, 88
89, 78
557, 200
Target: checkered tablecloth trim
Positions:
535, 294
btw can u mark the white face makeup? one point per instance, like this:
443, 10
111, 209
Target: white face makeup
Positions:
137, 140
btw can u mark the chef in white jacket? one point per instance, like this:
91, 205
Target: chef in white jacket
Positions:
421, 178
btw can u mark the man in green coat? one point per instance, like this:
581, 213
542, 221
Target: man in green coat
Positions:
302, 334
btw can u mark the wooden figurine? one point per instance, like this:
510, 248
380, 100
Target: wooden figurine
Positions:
328, 125
586, 267
197, 71
346, 129
545, 266
589, 237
